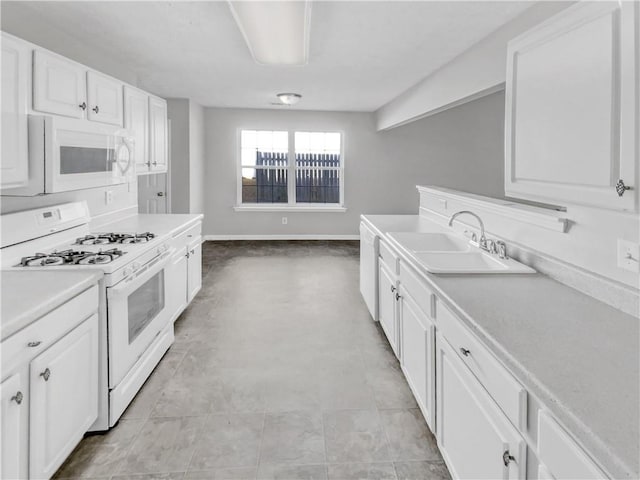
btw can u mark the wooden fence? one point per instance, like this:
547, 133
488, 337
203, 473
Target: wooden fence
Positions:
317, 178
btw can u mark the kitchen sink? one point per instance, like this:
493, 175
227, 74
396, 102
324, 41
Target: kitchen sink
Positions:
431, 242
449, 254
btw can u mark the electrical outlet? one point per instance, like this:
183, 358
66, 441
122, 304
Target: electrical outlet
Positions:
629, 255
284, 220
108, 197
443, 203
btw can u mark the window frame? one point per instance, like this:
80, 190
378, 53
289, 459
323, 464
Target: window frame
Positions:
292, 204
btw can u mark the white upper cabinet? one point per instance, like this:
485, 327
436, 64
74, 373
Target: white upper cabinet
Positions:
158, 135
571, 108
136, 120
14, 161
104, 99
59, 85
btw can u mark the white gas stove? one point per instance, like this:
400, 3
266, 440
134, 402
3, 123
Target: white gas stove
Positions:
136, 329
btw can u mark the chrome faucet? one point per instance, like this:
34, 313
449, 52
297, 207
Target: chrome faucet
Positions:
482, 243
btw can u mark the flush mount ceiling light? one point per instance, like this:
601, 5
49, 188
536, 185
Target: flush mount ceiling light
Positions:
276, 32
289, 98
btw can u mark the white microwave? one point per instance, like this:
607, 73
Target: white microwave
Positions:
69, 154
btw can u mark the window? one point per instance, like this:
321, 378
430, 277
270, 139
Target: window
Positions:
268, 177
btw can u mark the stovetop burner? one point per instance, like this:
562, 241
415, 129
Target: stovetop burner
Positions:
71, 257
108, 238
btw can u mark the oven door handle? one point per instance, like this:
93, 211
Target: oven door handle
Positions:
149, 270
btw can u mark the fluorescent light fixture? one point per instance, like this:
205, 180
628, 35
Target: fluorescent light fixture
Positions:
276, 32
289, 98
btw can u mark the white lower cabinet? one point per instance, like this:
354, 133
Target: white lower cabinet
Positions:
194, 268
387, 306
178, 283
64, 397
417, 334
13, 422
476, 439
369, 269
561, 456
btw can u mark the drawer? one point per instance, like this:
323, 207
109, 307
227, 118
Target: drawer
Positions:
417, 289
507, 392
559, 453
42, 333
388, 257
185, 237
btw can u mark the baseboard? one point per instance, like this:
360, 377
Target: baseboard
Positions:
282, 237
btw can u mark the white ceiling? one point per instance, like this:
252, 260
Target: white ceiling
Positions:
362, 54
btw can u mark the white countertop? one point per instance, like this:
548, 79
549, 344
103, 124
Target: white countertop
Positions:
159, 224
29, 295
577, 355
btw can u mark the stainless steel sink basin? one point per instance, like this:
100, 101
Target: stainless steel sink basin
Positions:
449, 254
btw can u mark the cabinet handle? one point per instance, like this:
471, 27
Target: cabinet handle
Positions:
507, 458
398, 296
464, 351
46, 374
161, 194
96, 109
621, 187
393, 289
83, 106
17, 398
34, 344
155, 163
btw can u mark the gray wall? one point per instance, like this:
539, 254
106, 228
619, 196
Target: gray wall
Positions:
187, 155
461, 148
178, 114
196, 158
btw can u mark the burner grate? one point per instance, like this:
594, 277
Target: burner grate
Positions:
71, 257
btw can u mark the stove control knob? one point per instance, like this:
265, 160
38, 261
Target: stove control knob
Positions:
135, 266
127, 271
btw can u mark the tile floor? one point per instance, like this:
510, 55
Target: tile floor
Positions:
277, 372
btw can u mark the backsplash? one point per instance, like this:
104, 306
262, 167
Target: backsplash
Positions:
582, 256
124, 196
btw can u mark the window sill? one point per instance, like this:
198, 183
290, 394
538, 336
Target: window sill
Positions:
315, 208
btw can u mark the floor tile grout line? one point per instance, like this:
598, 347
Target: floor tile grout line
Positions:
264, 426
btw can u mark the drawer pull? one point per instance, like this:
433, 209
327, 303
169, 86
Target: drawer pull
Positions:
507, 458
46, 374
464, 351
33, 344
17, 398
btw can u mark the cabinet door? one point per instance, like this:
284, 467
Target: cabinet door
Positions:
158, 142
13, 427
14, 160
475, 438
387, 306
179, 280
59, 85
64, 397
195, 268
571, 103
136, 119
104, 99
562, 457
369, 269
417, 339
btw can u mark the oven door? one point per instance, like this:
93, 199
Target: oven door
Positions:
81, 154
137, 310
